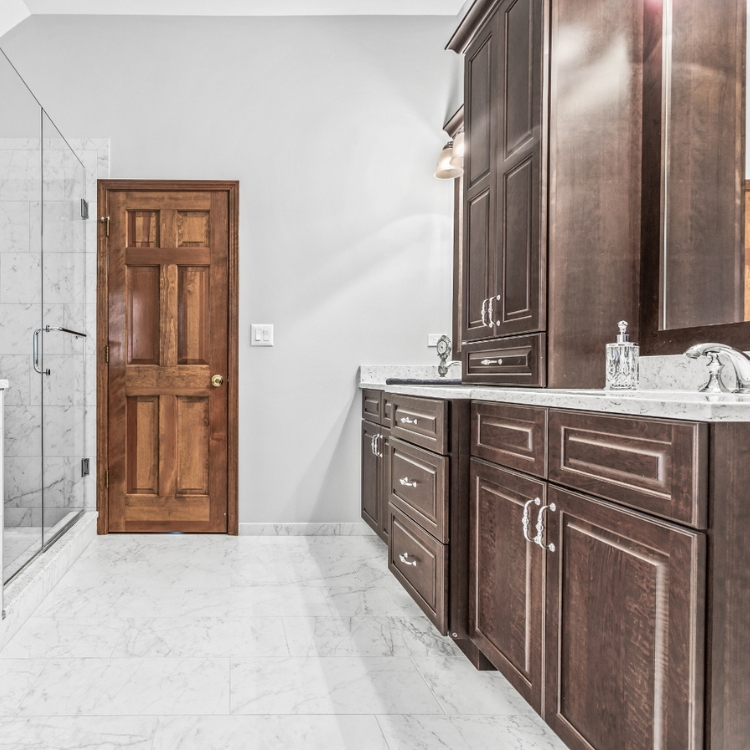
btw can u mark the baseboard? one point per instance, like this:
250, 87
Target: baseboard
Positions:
306, 529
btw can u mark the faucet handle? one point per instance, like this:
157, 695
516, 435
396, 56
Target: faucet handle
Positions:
714, 384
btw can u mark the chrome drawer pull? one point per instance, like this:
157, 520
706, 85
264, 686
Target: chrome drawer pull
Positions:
526, 519
378, 446
406, 483
492, 361
484, 313
404, 560
406, 420
372, 445
540, 528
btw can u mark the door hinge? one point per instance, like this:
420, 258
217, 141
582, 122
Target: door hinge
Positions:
106, 354
84, 209
105, 220
106, 478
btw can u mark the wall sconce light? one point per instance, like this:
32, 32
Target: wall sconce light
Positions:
457, 160
445, 170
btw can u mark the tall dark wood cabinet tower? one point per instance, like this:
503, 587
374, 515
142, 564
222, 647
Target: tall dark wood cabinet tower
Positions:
545, 278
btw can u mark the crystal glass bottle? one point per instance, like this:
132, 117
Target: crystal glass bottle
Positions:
622, 362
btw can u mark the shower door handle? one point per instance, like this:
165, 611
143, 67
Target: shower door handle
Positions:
35, 350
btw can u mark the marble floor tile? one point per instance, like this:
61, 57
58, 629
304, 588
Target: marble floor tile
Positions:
123, 687
336, 685
50, 637
461, 689
119, 600
17, 677
506, 733
202, 637
269, 732
303, 572
77, 733
364, 636
362, 599
421, 733
256, 601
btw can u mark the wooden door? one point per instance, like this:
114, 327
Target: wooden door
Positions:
479, 189
625, 616
517, 260
170, 338
506, 593
371, 475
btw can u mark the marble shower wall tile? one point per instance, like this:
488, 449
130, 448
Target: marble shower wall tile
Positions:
14, 227
20, 278
23, 482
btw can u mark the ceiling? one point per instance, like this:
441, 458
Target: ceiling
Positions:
248, 7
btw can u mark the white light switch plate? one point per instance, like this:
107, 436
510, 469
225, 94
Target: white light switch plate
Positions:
261, 334
432, 338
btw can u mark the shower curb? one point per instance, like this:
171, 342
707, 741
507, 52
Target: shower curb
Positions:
29, 589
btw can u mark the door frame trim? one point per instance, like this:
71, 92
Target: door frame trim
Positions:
232, 188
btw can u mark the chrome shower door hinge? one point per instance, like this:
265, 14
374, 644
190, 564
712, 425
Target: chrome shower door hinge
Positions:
84, 209
84, 467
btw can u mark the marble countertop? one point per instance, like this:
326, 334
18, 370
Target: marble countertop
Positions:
687, 405
4, 385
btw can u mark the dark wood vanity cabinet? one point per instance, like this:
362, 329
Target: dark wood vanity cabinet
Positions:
598, 618
375, 473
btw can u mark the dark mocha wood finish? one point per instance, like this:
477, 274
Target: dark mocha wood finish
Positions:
371, 477
502, 270
372, 405
728, 678
506, 592
654, 465
703, 223
387, 415
594, 186
422, 421
509, 435
419, 486
625, 615
516, 360
419, 562
172, 463
385, 481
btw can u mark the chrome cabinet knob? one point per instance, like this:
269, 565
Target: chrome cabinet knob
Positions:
217, 381
407, 420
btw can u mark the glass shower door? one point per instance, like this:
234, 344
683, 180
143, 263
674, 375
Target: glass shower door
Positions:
20, 316
64, 332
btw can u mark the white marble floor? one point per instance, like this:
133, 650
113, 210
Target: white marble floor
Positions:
194, 642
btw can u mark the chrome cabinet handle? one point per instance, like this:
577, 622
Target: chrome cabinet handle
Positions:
527, 520
406, 483
540, 527
490, 313
484, 312
406, 420
486, 362
35, 353
372, 445
378, 446
404, 560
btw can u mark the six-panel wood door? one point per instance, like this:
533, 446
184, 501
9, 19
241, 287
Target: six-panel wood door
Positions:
503, 241
625, 617
507, 576
168, 335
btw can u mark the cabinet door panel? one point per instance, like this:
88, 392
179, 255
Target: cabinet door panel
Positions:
625, 628
479, 85
518, 256
477, 267
506, 573
385, 481
370, 476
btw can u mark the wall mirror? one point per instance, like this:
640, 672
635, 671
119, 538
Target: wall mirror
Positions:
695, 284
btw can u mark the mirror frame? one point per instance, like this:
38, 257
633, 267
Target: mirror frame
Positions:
653, 339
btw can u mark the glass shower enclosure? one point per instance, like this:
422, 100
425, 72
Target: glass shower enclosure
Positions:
43, 213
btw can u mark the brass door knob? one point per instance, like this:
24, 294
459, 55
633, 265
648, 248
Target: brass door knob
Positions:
217, 381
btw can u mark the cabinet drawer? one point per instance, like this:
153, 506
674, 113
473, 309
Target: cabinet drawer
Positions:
655, 465
422, 421
418, 561
518, 360
419, 486
372, 405
513, 436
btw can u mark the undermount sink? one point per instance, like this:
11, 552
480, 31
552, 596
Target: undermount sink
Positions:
422, 381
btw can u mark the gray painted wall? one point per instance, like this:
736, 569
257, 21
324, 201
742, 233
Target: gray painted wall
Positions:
333, 127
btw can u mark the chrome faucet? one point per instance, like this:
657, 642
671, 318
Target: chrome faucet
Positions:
739, 360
